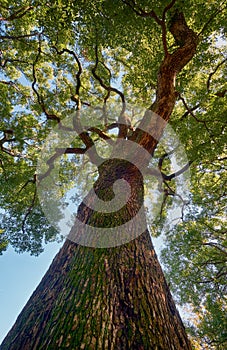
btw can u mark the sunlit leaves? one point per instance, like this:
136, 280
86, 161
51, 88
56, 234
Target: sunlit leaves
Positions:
196, 256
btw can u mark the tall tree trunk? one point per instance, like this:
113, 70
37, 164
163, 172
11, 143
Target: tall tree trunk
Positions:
114, 298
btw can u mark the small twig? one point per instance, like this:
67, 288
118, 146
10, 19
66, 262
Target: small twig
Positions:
9, 152
29, 211
214, 245
193, 115
9, 60
3, 168
26, 183
17, 14
212, 73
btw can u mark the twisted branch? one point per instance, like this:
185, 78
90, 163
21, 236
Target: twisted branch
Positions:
106, 87
59, 152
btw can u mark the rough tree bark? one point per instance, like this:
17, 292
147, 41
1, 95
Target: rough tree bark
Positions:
114, 298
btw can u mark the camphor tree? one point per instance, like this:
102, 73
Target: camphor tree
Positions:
63, 59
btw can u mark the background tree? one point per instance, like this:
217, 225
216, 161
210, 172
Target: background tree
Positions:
65, 56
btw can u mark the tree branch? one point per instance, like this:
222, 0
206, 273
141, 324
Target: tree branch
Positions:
83, 134
87, 140
190, 111
214, 71
143, 13
16, 37
166, 94
106, 87
159, 174
39, 97
101, 134
163, 25
216, 246
59, 152
78, 74
122, 124
29, 211
152, 14
177, 173
17, 14
26, 183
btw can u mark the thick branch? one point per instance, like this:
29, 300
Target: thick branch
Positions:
165, 93
87, 140
159, 174
163, 25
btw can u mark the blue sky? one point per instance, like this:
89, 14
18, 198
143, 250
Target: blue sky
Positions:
19, 276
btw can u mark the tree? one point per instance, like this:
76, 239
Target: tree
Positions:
61, 59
